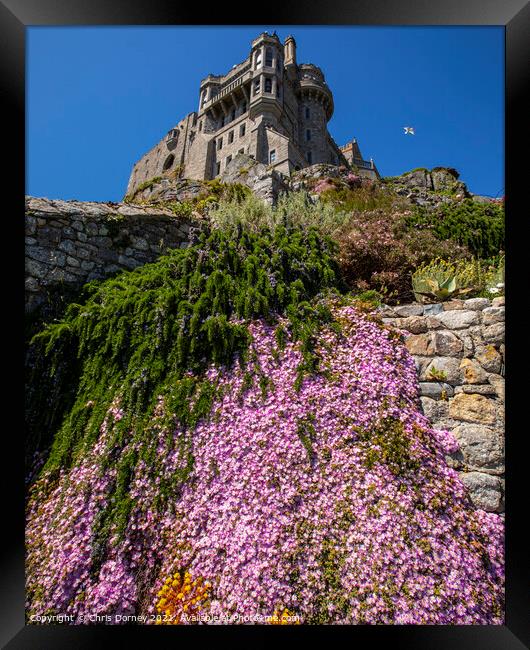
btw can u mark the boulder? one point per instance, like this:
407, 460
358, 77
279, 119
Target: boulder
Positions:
458, 318
473, 408
480, 447
485, 491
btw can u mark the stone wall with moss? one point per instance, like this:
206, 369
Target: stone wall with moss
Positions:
69, 243
458, 347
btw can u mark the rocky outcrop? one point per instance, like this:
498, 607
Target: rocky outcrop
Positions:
69, 243
265, 182
429, 187
458, 348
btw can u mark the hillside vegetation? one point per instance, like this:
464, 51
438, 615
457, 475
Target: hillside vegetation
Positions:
229, 430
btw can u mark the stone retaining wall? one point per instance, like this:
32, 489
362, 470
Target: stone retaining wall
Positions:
458, 347
69, 243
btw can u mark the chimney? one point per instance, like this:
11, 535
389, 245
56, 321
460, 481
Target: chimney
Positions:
289, 52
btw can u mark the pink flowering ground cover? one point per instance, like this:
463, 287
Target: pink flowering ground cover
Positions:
333, 501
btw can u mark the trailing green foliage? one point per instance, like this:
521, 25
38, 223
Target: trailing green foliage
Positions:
478, 226
147, 335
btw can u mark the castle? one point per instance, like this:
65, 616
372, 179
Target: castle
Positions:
268, 107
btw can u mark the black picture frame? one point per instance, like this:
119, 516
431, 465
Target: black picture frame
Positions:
514, 15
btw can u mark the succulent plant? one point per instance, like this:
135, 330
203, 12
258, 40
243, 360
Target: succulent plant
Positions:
443, 290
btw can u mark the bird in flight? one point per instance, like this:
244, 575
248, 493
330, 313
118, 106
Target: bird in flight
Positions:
409, 129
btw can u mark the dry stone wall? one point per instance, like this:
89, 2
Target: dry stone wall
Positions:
458, 347
69, 243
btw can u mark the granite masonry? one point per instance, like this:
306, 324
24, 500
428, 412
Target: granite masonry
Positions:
268, 107
69, 243
458, 347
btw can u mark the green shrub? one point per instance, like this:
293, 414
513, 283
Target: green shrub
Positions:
478, 226
368, 197
293, 209
378, 252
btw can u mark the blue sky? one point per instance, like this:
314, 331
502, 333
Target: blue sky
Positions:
99, 97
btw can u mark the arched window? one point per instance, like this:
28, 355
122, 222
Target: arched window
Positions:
169, 162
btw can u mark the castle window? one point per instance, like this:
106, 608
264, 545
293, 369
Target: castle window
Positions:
268, 85
217, 168
228, 160
272, 156
168, 162
268, 57
230, 137
257, 59
256, 86
200, 125
309, 157
219, 144
203, 100
242, 129
307, 113
308, 134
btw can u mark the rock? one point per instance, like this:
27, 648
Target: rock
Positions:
498, 384
409, 310
493, 333
480, 447
67, 246
473, 372
493, 315
432, 310
473, 408
451, 305
32, 284
448, 366
413, 324
435, 410
489, 358
441, 343
498, 302
385, 311
477, 389
477, 304
485, 491
432, 322
435, 390
458, 318
36, 269
420, 344
467, 342
446, 344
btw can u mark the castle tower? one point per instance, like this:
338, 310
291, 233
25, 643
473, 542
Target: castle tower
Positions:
268, 107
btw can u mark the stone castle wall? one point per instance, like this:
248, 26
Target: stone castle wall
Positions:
69, 243
458, 347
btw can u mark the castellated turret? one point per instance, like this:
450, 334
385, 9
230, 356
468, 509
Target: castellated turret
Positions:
268, 107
